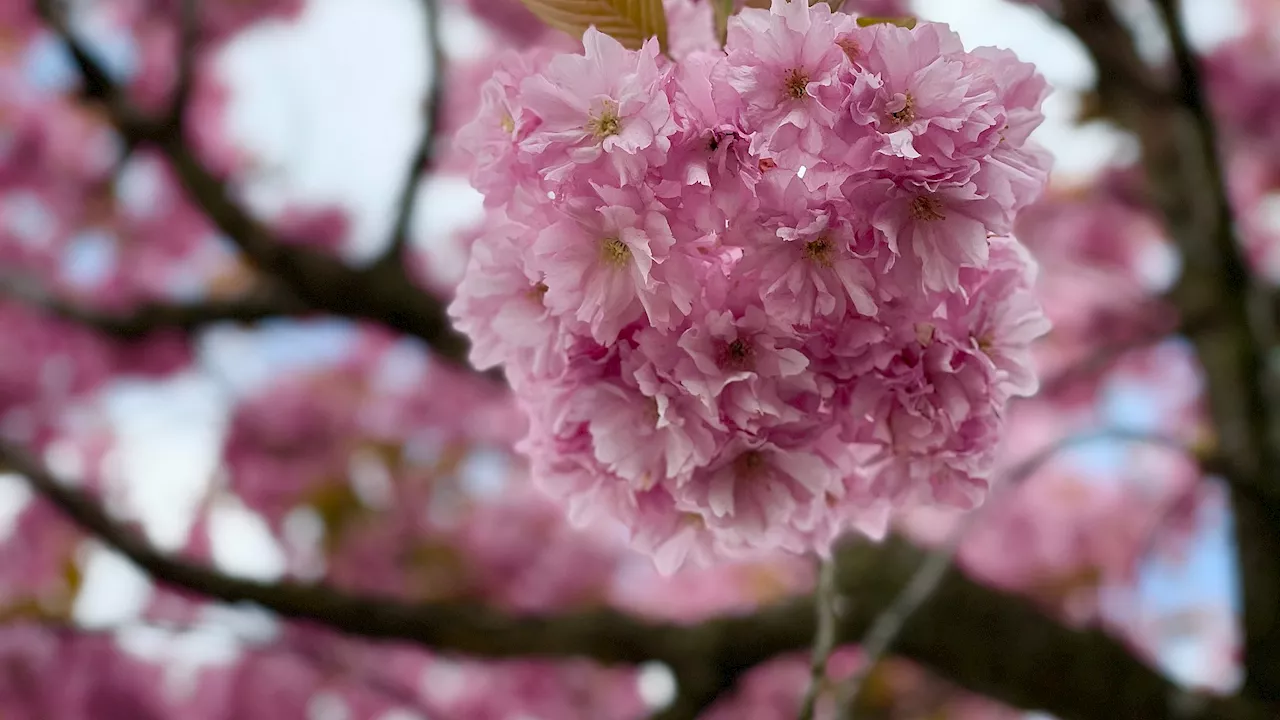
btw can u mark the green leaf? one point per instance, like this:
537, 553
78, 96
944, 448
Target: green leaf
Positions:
724, 10
630, 22
906, 22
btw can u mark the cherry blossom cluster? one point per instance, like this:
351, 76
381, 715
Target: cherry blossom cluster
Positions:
762, 296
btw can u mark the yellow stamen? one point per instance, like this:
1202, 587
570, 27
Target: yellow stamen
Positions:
607, 123
819, 251
615, 252
736, 355
796, 83
907, 114
985, 343
748, 464
927, 209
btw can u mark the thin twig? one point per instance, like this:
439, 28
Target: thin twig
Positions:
188, 48
827, 602
424, 155
890, 623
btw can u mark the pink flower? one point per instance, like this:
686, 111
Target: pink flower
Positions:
791, 318
915, 90
934, 424
712, 147
493, 137
759, 495
690, 28
739, 366
281, 446
609, 103
500, 305
647, 439
807, 260
602, 265
938, 232
785, 63
671, 536
999, 314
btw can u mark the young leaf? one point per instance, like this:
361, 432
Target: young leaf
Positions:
630, 22
723, 10
906, 22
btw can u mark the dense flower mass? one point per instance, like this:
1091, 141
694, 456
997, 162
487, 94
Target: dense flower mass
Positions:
767, 294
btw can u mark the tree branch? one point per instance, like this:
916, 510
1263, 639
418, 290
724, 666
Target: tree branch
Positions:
827, 602
1179, 141
188, 41
388, 688
262, 304
892, 621
424, 155
382, 293
989, 642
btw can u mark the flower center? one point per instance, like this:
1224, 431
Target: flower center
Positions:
748, 464
927, 209
538, 292
819, 251
907, 114
985, 343
614, 252
508, 123
737, 355
607, 123
796, 83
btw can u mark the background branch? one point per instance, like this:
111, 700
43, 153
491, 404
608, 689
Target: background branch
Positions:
383, 293
984, 640
892, 621
188, 41
263, 303
331, 664
1179, 142
424, 155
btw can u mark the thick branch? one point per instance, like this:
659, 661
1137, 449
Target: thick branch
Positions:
1184, 171
452, 627
987, 641
383, 293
